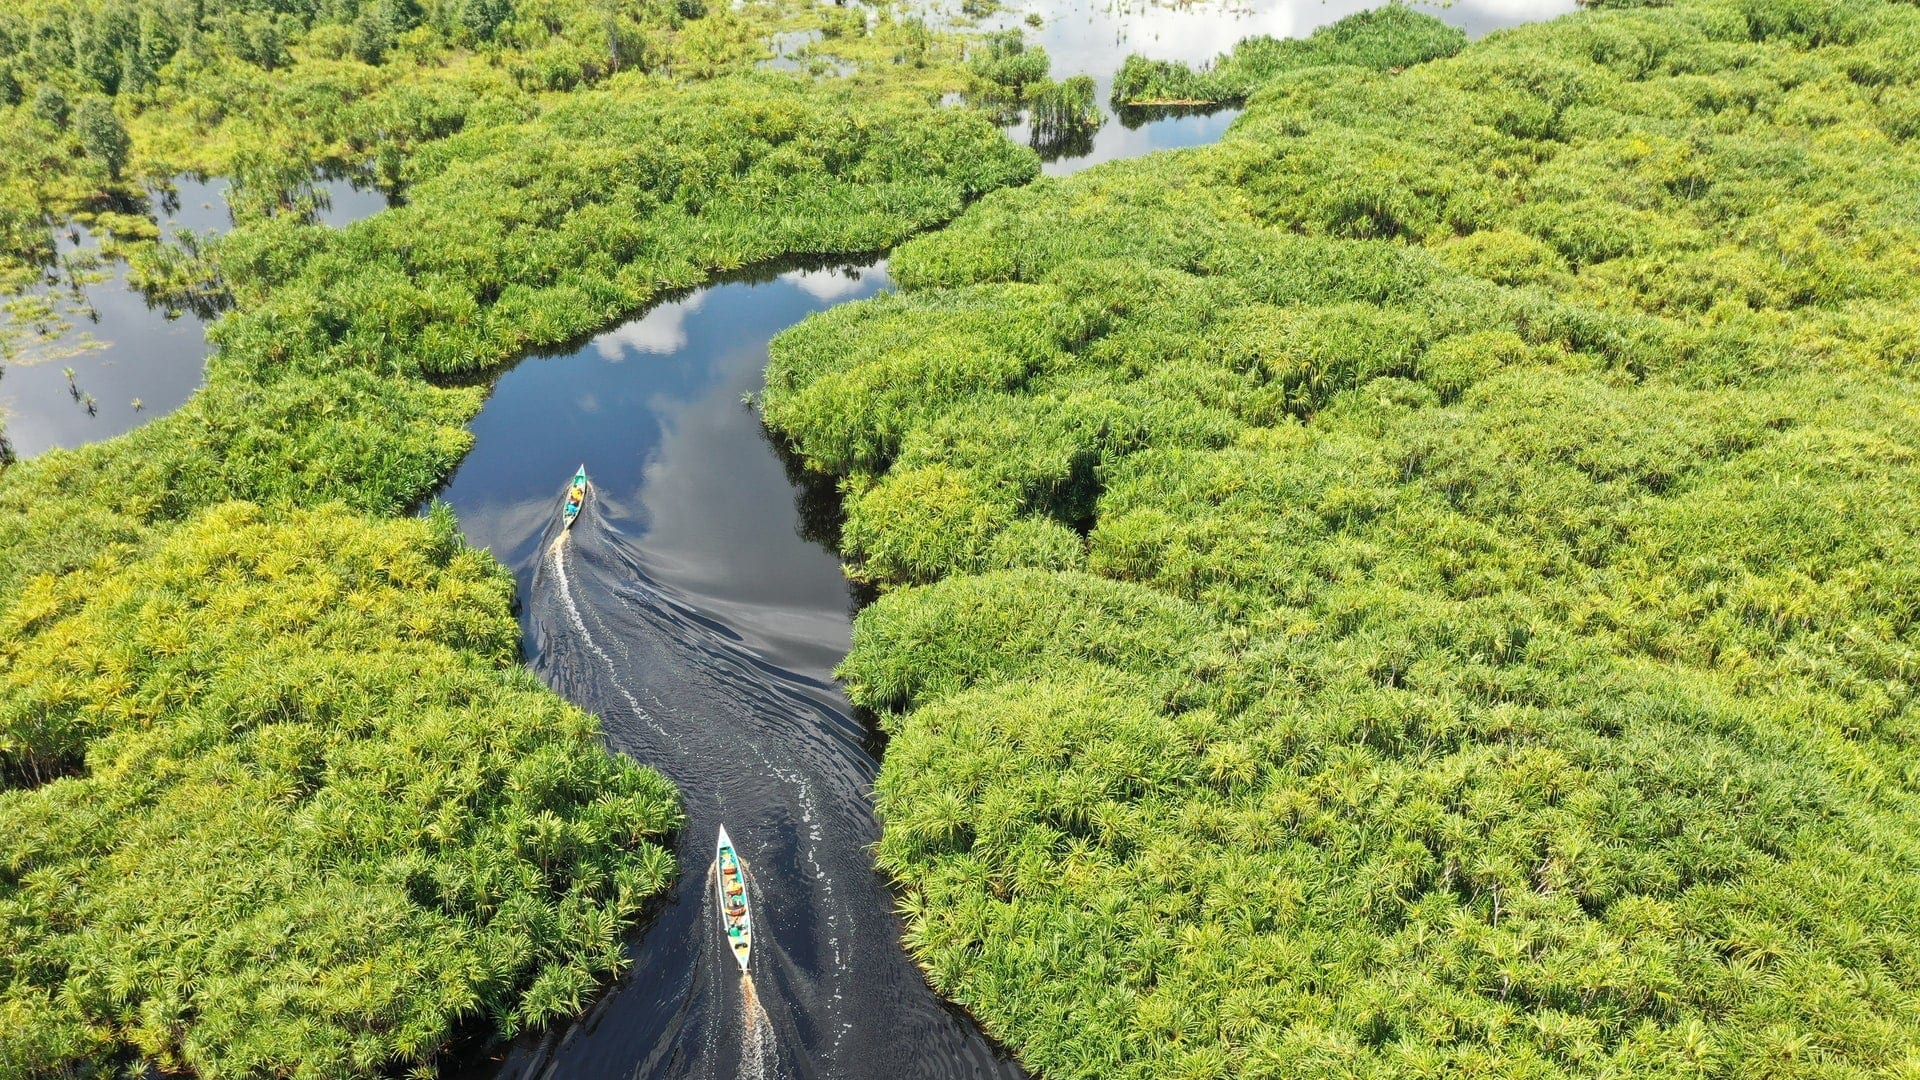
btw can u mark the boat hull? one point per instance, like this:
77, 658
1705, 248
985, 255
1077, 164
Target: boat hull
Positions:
576, 499
730, 882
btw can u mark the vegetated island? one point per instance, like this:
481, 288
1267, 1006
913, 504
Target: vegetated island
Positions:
1426, 586
279, 798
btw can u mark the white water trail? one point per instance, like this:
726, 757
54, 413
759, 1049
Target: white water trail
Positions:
759, 1052
613, 674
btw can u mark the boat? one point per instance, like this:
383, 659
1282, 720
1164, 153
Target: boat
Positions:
733, 898
576, 498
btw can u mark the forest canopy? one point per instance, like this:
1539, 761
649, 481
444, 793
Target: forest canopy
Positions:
1426, 586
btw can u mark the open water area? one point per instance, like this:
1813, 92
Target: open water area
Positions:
131, 360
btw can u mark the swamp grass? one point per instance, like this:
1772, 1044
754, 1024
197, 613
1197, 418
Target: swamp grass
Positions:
1425, 587
1388, 37
100, 99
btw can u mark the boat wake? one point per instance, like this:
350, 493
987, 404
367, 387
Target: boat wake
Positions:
777, 756
759, 1052
559, 562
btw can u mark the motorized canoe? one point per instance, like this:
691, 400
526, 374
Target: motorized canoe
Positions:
576, 498
736, 919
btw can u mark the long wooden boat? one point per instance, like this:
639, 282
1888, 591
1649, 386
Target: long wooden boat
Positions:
576, 498
738, 921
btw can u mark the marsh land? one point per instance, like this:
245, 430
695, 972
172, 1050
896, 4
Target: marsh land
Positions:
1413, 577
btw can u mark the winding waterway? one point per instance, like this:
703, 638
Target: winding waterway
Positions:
698, 609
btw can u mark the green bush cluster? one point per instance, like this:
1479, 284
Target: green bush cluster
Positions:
268, 94
1425, 587
311, 815
1389, 37
1004, 63
527, 235
278, 798
1061, 109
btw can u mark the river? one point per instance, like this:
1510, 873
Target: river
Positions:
697, 607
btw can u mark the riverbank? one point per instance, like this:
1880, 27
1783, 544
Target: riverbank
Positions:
1422, 585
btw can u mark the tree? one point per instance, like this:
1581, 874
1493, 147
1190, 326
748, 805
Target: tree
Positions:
50, 105
101, 133
371, 38
482, 17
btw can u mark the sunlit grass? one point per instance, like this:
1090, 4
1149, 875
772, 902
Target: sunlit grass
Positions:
298, 808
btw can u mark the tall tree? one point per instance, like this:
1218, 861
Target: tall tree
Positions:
101, 133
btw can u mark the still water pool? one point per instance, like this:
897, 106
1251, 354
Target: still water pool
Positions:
130, 360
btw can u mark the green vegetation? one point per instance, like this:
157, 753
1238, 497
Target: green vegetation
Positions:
1060, 109
1387, 37
1425, 587
1004, 61
278, 798
324, 815
110, 96
1009, 76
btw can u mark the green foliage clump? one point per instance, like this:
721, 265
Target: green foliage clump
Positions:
1005, 64
1489, 644
50, 107
1389, 37
302, 811
101, 134
1060, 109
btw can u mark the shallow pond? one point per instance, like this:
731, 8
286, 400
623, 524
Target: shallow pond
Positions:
696, 607
130, 360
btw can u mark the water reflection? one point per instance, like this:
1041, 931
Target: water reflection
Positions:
654, 408
130, 360
697, 614
1093, 37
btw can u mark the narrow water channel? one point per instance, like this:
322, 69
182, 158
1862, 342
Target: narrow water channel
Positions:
695, 610
697, 607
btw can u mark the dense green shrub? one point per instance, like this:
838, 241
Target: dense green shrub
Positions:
1389, 37
101, 134
1060, 110
323, 814
1004, 63
1491, 645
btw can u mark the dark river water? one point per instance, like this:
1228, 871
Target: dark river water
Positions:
698, 609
